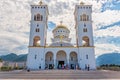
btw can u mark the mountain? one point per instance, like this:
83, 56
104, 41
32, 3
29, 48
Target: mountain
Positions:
109, 58
14, 58
21, 58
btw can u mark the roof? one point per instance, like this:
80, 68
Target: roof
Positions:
60, 26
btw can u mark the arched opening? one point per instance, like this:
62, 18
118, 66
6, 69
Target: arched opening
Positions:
73, 60
38, 17
37, 30
61, 59
49, 60
84, 29
85, 41
36, 41
84, 17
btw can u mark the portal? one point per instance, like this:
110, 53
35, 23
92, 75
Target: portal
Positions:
60, 64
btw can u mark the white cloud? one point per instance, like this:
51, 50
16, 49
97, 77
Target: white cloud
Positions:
106, 48
15, 17
112, 31
106, 18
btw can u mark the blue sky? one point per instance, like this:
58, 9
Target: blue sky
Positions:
15, 23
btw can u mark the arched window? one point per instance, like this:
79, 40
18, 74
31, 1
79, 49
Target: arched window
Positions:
36, 41
86, 56
38, 17
85, 41
84, 17
37, 30
85, 30
35, 56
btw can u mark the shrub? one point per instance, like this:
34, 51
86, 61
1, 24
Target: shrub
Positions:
6, 68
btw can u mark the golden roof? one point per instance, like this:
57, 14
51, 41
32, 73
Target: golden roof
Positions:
82, 3
61, 26
40, 3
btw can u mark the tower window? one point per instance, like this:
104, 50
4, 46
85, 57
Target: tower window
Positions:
35, 56
37, 25
84, 17
86, 56
85, 41
37, 30
84, 25
85, 30
38, 17
36, 41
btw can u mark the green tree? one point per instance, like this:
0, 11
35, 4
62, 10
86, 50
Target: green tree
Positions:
0, 60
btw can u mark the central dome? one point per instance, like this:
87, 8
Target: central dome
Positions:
60, 26
61, 36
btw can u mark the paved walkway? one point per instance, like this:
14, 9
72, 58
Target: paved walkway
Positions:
61, 74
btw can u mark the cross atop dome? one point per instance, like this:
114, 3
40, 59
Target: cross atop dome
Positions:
82, 3
61, 22
40, 2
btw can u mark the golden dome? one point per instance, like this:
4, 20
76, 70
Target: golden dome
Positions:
61, 26
82, 3
41, 2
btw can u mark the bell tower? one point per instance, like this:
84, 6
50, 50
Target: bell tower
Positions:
38, 29
84, 34
38, 35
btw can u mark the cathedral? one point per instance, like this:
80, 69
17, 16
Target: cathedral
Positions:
61, 53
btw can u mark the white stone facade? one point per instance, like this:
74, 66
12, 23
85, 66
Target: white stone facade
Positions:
61, 52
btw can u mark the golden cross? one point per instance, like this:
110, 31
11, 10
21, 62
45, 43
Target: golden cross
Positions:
61, 22
81, 2
40, 2
61, 37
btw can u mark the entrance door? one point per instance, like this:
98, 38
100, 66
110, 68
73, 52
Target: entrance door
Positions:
60, 63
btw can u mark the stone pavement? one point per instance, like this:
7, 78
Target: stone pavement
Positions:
60, 74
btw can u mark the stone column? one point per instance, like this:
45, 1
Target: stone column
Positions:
54, 60
68, 60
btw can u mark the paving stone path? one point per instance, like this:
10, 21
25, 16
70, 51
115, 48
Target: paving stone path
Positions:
61, 74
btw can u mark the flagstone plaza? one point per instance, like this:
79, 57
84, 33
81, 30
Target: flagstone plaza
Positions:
61, 74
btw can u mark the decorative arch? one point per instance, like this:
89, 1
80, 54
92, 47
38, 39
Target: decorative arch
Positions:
37, 30
61, 58
49, 56
84, 17
73, 60
38, 17
49, 60
61, 55
36, 41
85, 41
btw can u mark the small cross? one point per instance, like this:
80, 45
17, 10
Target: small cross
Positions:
61, 22
40, 2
